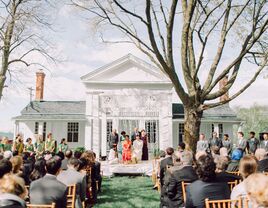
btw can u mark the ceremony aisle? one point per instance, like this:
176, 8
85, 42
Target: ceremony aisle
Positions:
128, 192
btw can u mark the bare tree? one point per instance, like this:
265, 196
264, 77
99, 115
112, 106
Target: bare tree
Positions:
168, 31
22, 28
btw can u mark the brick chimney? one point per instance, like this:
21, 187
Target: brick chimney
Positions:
39, 92
222, 83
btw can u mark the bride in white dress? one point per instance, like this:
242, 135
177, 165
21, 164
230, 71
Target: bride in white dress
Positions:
137, 148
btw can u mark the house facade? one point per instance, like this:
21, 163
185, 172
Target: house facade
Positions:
122, 95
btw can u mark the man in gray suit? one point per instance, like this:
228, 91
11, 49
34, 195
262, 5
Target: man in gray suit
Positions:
48, 189
242, 143
264, 142
72, 176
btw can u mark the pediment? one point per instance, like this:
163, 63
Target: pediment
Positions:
127, 69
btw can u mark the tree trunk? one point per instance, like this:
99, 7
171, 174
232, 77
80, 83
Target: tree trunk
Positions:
192, 122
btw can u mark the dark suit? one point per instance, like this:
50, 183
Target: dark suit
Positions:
233, 166
215, 142
253, 144
113, 139
198, 191
174, 188
47, 190
163, 166
226, 177
263, 165
98, 173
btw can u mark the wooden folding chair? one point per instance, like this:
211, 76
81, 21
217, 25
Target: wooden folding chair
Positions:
232, 184
53, 205
71, 196
183, 187
234, 172
226, 203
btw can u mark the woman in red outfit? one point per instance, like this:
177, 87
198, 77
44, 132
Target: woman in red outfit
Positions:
126, 150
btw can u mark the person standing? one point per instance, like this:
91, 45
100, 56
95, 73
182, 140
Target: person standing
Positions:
137, 148
145, 155
50, 144
264, 142
253, 143
202, 144
29, 147
134, 134
119, 145
215, 141
63, 146
227, 143
126, 156
5, 144
18, 145
113, 139
242, 143
39, 145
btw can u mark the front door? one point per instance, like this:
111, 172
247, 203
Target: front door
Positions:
127, 126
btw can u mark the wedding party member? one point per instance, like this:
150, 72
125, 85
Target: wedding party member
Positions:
253, 143
5, 145
29, 147
63, 146
134, 134
137, 148
113, 139
39, 145
227, 143
119, 146
145, 155
202, 144
215, 141
126, 156
242, 143
18, 145
50, 144
264, 143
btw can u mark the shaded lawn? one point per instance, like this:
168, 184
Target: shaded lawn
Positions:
128, 192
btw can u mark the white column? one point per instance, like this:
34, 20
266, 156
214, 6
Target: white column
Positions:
88, 134
96, 124
15, 129
103, 134
141, 124
40, 128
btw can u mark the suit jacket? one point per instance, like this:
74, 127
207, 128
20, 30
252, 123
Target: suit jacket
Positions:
233, 166
70, 177
98, 170
47, 190
215, 142
242, 144
253, 144
198, 191
226, 177
263, 165
174, 189
113, 140
263, 146
163, 167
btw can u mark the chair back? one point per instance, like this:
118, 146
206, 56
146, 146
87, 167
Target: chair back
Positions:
183, 187
234, 172
232, 184
71, 196
53, 205
226, 203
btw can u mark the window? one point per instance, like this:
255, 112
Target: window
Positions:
220, 130
151, 129
109, 128
212, 129
44, 130
72, 133
181, 132
36, 127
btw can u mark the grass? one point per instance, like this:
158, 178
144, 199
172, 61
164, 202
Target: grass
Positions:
128, 192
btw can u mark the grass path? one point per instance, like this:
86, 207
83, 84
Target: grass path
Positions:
128, 192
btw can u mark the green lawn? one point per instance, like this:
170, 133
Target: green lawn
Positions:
127, 192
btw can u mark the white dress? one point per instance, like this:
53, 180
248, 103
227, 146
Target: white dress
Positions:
137, 149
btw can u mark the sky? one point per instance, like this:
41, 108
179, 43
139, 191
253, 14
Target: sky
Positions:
83, 52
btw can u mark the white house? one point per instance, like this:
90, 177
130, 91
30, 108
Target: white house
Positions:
124, 94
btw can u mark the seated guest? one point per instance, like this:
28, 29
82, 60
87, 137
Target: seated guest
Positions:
222, 175
256, 187
7, 154
207, 185
199, 154
13, 192
202, 144
27, 168
248, 165
48, 189
39, 170
64, 162
16, 165
186, 173
77, 154
234, 164
167, 161
5, 167
72, 176
262, 158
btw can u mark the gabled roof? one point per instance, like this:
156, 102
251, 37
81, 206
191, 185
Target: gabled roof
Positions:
56, 110
125, 61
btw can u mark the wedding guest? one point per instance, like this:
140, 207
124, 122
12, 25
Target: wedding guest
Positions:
5, 167
64, 162
18, 145
167, 161
29, 147
262, 158
248, 165
264, 142
27, 167
7, 154
227, 143
202, 144
39, 170
39, 146
126, 156
235, 159
48, 189
256, 187
145, 155
207, 186
77, 154
113, 139
72, 176
137, 148
50, 144
13, 192
215, 141
98, 172
16, 165
242, 143
253, 143
63, 146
